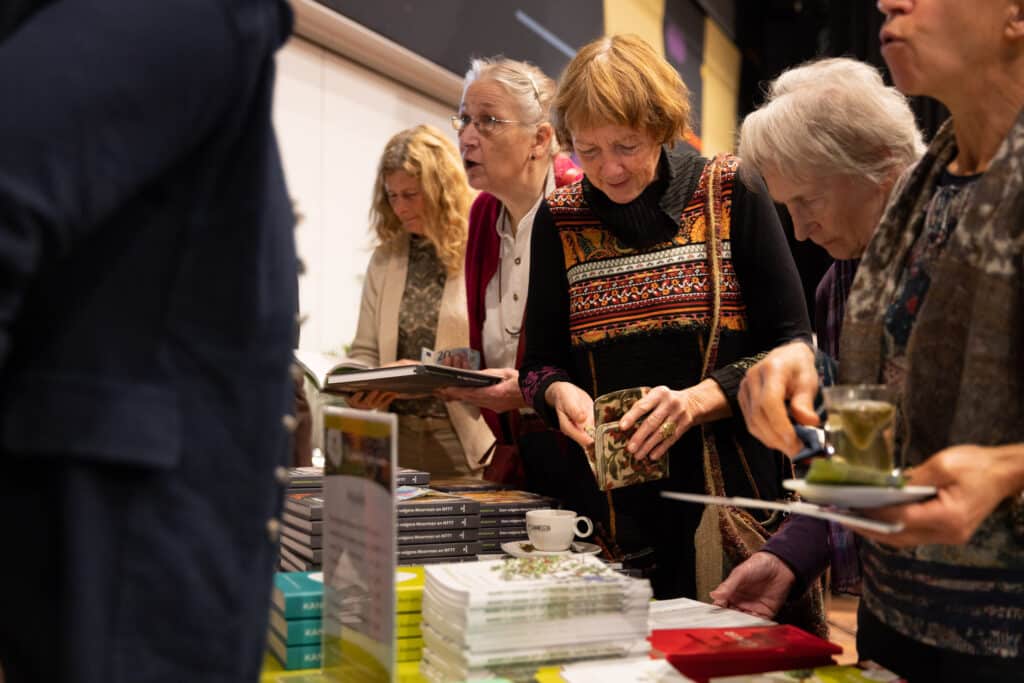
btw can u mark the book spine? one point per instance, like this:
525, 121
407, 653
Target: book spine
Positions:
307, 525
408, 619
309, 540
456, 522
438, 536
509, 534
296, 631
406, 552
499, 509
297, 656
304, 511
413, 631
411, 508
311, 554
298, 606
412, 479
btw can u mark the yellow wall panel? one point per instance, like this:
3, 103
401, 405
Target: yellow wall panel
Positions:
720, 73
642, 17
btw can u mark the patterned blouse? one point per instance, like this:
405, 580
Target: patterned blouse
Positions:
417, 318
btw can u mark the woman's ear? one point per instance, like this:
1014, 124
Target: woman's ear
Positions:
542, 141
1015, 21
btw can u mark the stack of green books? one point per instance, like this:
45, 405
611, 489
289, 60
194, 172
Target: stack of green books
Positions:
295, 627
409, 613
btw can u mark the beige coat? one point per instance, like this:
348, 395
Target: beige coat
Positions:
376, 340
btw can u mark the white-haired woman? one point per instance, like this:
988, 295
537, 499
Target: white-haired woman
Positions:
835, 184
511, 154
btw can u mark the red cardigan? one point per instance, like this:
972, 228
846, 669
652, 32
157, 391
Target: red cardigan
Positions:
482, 251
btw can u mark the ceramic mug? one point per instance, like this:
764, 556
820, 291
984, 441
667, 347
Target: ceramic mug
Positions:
553, 530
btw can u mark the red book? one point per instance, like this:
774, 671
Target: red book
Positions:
701, 653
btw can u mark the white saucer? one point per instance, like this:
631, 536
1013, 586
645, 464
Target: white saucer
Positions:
516, 549
858, 496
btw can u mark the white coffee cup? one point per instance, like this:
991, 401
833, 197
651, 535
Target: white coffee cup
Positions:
553, 530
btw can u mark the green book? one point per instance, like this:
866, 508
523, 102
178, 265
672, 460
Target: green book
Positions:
294, 656
296, 631
297, 595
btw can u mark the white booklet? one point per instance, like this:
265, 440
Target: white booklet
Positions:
318, 366
796, 507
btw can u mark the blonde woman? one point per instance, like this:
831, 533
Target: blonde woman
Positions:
414, 296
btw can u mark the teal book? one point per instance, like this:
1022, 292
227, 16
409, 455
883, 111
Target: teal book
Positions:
297, 595
294, 656
296, 631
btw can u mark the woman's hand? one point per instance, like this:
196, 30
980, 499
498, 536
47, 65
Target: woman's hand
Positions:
371, 400
500, 397
575, 410
971, 481
785, 374
760, 586
664, 415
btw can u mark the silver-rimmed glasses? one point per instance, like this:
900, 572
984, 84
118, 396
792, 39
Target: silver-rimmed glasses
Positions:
484, 124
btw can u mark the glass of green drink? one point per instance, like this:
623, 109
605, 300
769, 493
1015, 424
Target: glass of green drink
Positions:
859, 429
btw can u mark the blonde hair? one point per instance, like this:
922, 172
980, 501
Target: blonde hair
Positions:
424, 153
621, 80
530, 88
832, 117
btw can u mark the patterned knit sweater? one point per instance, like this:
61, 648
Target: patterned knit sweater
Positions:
608, 316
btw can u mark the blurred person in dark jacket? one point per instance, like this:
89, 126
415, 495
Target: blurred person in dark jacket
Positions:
147, 317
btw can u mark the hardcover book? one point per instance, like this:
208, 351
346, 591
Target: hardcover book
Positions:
417, 551
305, 478
294, 656
507, 503
517, 520
306, 539
298, 595
702, 653
460, 484
412, 378
407, 524
296, 563
296, 631
310, 526
314, 555
437, 536
305, 505
436, 504
406, 476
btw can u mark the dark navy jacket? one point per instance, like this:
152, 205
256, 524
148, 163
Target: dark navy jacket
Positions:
147, 315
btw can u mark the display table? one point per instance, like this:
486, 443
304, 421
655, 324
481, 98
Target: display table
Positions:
408, 672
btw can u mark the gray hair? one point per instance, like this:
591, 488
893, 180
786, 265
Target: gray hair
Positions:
832, 117
531, 90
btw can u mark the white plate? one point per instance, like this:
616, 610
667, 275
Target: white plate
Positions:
858, 496
518, 549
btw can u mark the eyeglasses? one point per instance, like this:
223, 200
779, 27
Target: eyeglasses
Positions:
484, 124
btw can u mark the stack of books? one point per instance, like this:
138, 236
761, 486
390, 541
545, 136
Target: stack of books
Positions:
295, 627
507, 618
302, 531
302, 520
409, 613
437, 527
503, 515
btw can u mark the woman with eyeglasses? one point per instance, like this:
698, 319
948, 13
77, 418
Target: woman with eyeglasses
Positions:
414, 296
659, 268
510, 153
